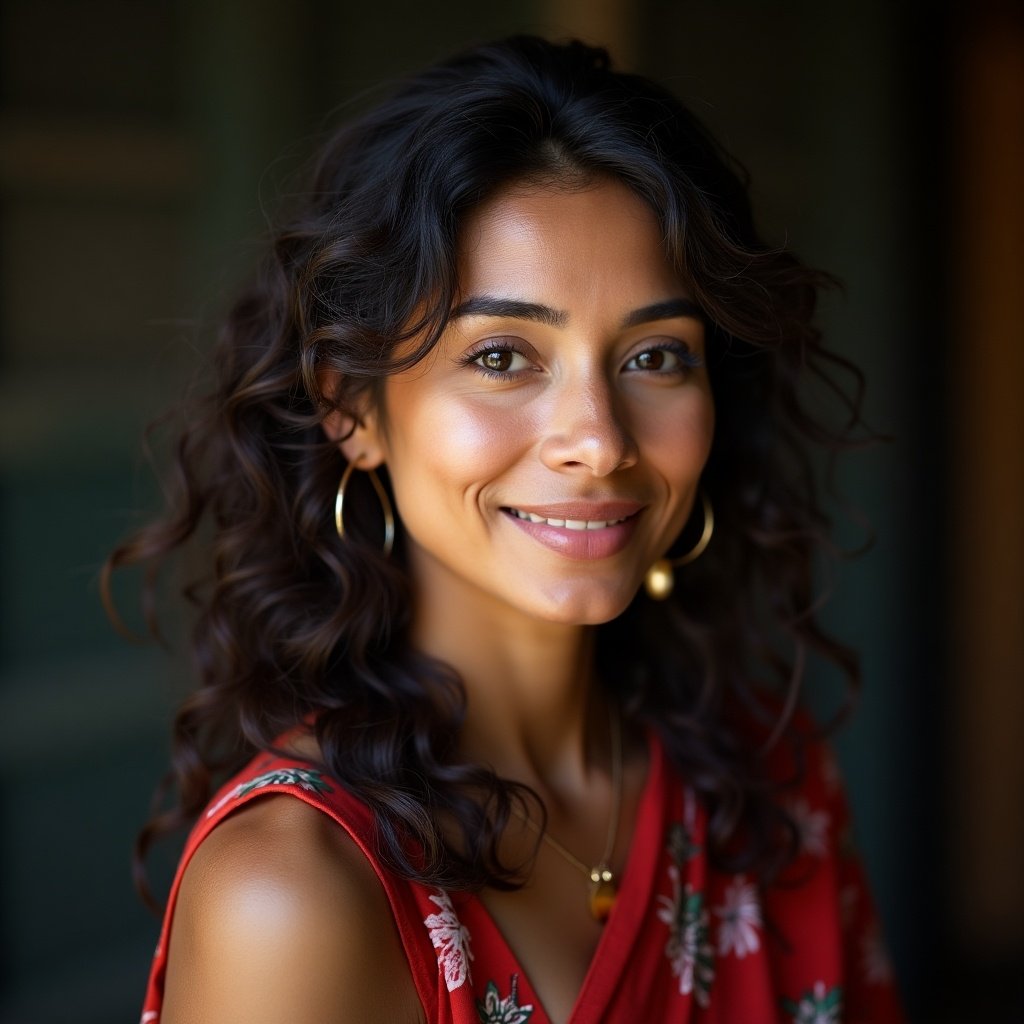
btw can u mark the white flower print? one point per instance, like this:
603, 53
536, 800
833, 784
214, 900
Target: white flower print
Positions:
811, 826
741, 918
688, 948
149, 1017
451, 940
304, 778
821, 1005
492, 1009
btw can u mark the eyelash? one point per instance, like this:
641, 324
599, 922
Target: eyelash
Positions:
492, 346
689, 359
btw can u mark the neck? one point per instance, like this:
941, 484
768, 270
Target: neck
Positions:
532, 707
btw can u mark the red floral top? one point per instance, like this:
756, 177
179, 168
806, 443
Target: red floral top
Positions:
684, 943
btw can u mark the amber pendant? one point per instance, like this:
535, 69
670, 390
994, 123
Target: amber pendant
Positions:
603, 891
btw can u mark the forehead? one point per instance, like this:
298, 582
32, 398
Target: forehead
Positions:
558, 242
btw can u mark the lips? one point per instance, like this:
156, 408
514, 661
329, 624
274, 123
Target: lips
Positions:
582, 531
580, 511
568, 524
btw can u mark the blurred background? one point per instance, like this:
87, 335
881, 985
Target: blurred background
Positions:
141, 141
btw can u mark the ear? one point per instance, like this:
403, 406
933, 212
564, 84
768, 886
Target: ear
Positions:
357, 437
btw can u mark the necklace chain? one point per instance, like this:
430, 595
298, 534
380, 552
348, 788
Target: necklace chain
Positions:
601, 876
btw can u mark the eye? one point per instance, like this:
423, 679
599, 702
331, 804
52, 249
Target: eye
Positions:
654, 359
499, 360
668, 357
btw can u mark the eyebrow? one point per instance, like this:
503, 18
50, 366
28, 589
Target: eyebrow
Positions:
670, 309
513, 309
517, 309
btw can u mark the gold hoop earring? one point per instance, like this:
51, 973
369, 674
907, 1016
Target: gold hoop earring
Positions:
660, 579
382, 496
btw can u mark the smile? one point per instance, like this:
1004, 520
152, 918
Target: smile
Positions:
568, 524
581, 531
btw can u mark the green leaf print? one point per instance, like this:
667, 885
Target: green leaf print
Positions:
817, 1006
492, 1009
689, 947
681, 846
305, 778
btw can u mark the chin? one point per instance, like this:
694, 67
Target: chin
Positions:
586, 604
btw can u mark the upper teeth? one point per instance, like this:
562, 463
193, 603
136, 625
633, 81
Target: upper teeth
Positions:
568, 524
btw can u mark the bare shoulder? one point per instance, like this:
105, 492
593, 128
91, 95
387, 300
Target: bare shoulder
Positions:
280, 917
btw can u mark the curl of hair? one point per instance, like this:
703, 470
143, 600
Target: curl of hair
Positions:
292, 624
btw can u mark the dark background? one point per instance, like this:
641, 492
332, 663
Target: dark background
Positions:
140, 143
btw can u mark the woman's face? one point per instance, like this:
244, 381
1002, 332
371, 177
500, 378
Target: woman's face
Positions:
548, 450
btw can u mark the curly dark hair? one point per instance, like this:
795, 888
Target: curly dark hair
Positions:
295, 625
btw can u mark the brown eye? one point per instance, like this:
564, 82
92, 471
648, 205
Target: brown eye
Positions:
652, 360
665, 359
499, 360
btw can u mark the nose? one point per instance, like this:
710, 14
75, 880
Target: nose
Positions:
587, 431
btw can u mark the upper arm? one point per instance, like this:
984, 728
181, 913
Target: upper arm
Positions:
280, 917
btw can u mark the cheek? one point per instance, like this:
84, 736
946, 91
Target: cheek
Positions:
679, 438
451, 445
475, 438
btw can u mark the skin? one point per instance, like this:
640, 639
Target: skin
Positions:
602, 404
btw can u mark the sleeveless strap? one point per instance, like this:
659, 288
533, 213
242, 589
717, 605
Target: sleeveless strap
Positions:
269, 774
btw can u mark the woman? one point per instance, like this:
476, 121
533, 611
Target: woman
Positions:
531, 666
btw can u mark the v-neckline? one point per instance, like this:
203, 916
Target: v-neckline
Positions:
631, 908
